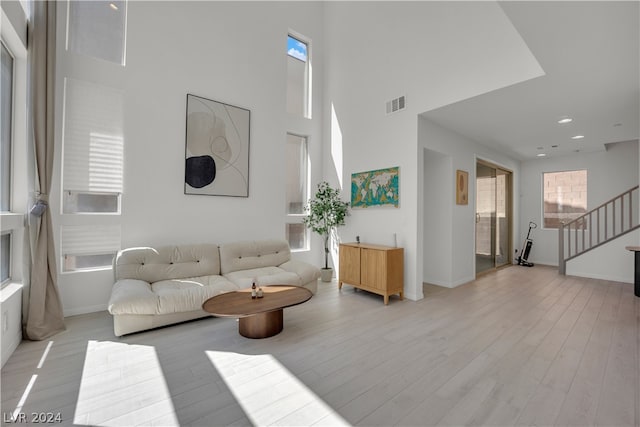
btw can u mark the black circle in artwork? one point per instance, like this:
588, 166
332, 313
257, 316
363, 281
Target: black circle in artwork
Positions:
200, 171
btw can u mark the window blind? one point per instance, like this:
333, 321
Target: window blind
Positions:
297, 166
90, 240
93, 138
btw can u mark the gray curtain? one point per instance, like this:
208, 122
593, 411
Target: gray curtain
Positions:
44, 316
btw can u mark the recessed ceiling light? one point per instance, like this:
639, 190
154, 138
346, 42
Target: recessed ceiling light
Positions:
554, 146
617, 125
113, 6
540, 148
577, 137
541, 155
565, 120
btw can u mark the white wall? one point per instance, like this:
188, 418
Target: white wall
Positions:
608, 262
609, 173
435, 53
233, 52
438, 210
463, 153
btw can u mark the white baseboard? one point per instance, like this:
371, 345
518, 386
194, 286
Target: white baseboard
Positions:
450, 285
437, 283
610, 278
84, 310
462, 281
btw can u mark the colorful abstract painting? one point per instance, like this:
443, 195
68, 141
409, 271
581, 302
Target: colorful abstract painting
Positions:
375, 188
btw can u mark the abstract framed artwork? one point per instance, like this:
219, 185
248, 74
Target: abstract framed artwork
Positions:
216, 148
462, 187
375, 188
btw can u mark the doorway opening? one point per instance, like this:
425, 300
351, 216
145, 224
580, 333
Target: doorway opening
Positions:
493, 217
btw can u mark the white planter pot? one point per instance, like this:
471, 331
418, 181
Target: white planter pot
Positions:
326, 274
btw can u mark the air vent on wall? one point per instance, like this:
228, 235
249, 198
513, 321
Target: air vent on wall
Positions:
396, 104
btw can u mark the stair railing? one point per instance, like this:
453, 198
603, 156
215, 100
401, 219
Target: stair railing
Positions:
607, 222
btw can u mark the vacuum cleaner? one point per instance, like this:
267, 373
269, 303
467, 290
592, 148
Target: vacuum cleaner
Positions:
526, 247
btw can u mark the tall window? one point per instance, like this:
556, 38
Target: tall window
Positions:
93, 148
92, 175
298, 77
6, 124
89, 247
6, 88
92, 134
98, 29
5, 265
564, 195
297, 190
15, 167
297, 171
297, 155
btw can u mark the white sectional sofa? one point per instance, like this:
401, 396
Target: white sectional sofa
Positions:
165, 285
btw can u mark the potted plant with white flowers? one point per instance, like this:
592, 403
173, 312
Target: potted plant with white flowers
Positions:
326, 212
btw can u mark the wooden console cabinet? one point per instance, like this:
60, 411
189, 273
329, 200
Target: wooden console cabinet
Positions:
374, 268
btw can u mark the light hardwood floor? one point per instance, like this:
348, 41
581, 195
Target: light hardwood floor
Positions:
521, 346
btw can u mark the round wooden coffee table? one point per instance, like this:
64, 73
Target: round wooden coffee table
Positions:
260, 317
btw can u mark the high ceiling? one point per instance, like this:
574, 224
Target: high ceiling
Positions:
590, 55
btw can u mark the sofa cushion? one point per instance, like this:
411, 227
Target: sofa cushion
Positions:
248, 255
265, 276
167, 262
131, 296
307, 272
179, 295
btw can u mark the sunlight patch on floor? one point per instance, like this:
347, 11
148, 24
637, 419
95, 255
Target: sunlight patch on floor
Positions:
269, 394
17, 413
123, 385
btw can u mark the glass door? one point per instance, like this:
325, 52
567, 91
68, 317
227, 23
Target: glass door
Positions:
503, 218
485, 218
493, 217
